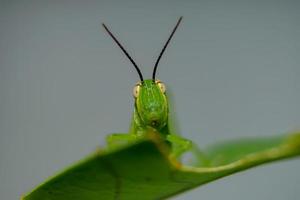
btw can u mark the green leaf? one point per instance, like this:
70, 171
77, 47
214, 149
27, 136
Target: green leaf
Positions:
143, 170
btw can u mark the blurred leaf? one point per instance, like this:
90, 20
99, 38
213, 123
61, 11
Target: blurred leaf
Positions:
143, 170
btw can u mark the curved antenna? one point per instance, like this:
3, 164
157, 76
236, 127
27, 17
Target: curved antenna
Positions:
164, 48
123, 49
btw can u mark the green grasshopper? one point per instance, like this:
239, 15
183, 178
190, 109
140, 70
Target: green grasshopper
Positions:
151, 108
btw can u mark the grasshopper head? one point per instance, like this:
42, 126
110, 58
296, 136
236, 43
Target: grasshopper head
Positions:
151, 103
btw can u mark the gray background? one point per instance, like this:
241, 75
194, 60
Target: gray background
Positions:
233, 68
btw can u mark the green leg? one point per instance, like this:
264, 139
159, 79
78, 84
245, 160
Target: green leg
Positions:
118, 139
179, 145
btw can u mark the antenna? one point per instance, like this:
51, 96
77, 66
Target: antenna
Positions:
123, 49
164, 48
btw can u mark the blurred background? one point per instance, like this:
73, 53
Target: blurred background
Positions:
232, 66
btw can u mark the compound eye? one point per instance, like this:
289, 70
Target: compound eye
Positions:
161, 86
136, 90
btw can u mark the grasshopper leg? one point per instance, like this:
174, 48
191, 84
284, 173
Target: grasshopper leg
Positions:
117, 139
